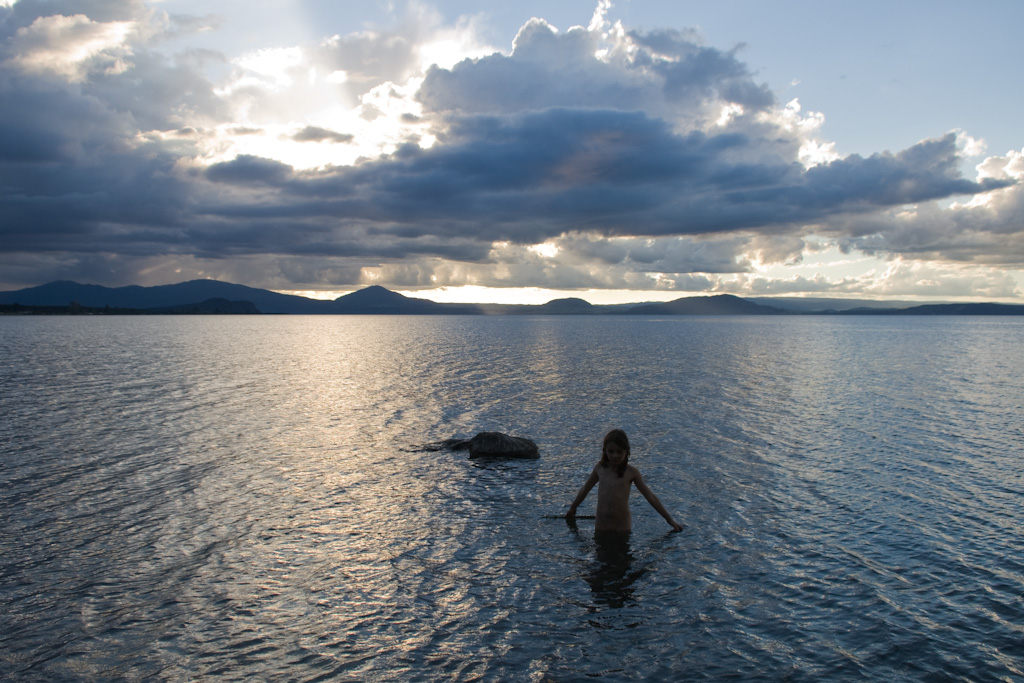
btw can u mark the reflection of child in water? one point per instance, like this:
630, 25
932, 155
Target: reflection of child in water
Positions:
613, 577
615, 476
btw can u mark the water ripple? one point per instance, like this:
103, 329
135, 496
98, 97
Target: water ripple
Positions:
238, 498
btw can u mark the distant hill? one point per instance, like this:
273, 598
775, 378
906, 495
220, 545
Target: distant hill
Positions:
191, 296
212, 296
376, 300
944, 309
570, 306
826, 305
722, 304
62, 293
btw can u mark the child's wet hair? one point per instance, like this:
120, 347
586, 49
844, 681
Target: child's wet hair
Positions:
619, 438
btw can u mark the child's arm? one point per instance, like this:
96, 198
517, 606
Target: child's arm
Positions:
653, 500
587, 485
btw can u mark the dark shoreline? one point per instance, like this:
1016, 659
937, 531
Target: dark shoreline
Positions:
211, 297
247, 308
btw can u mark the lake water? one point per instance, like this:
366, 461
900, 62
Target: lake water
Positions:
188, 498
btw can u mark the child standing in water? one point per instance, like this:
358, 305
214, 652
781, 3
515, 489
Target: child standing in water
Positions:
615, 476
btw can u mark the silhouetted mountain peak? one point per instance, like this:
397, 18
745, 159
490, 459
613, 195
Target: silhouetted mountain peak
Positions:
719, 304
372, 296
571, 305
377, 299
571, 301
234, 298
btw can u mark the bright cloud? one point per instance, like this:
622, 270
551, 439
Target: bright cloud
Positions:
69, 46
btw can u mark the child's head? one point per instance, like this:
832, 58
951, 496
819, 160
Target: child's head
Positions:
618, 438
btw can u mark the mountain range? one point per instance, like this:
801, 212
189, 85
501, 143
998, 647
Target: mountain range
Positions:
212, 296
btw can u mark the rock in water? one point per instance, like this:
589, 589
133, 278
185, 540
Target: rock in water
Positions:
498, 445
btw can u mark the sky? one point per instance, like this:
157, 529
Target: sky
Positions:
633, 150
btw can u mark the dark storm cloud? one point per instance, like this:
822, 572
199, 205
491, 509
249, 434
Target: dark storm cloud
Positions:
249, 170
523, 179
48, 122
317, 134
73, 174
536, 176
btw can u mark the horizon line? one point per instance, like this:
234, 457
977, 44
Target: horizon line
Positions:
537, 296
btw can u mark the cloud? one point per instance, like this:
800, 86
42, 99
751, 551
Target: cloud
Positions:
987, 230
416, 155
665, 74
249, 170
939, 280
70, 46
539, 175
317, 134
